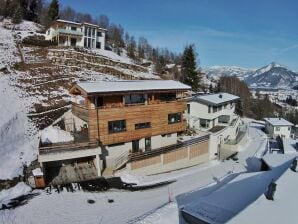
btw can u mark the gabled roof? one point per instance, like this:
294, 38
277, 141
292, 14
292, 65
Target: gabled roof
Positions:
130, 86
278, 121
214, 99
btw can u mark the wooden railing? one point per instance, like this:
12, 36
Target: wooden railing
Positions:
80, 111
147, 154
66, 147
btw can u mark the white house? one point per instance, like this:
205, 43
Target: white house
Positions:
215, 113
278, 126
68, 33
211, 110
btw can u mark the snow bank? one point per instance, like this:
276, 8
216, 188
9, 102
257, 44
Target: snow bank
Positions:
16, 191
54, 135
18, 144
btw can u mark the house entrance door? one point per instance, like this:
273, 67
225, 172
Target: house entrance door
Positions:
73, 42
147, 144
135, 146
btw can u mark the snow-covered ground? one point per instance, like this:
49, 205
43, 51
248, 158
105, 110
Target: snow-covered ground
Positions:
132, 207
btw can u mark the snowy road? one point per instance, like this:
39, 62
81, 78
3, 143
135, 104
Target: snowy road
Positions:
129, 207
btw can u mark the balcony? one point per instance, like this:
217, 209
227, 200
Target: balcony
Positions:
67, 32
80, 111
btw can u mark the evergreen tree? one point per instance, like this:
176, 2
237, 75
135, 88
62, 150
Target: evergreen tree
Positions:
53, 12
189, 67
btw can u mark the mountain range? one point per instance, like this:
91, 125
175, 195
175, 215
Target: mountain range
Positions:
273, 75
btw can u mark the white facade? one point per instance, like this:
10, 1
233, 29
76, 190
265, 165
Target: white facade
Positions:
68, 33
214, 110
278, 126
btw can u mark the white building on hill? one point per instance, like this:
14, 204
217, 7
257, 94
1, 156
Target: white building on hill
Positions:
68, 33
278, 126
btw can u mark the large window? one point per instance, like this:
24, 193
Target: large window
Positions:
117, 126
142, 125
204, 123
135, 99
168, 96
174, 118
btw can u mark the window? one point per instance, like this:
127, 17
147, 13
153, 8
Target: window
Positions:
289, 128
219, 108
117, 126
73, 28
225, 106
188, 108
174, 118
99, 34
85, 42
214, 109
209, 109
86, 31
135, 99
167, 96
142, 125
277, 128
204, 123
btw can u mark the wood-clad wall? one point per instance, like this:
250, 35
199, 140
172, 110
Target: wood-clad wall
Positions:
157, 114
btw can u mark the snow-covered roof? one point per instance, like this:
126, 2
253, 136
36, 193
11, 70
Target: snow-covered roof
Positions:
37, 172
232, 198
215, 99
278, 121
79, 24
129, 86
283, 209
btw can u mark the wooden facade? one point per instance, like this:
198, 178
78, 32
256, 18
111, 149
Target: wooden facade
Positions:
103, 108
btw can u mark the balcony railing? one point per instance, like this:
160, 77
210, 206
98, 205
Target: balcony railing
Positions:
67, 32
66, 147
147, 154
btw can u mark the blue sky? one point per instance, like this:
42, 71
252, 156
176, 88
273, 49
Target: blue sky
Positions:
246, 33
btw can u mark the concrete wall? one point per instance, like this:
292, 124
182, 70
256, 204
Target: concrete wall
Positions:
181, 158
163, 140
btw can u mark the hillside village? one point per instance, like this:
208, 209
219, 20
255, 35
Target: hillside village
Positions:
102, 133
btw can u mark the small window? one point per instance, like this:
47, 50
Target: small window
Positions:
174, 118
209, 109
188, 108
99, 34
289, 128
73, 28
214, 109
117, 126
143, 125
168, 96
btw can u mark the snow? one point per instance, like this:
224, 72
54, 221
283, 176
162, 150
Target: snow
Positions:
146, 206
215, 99
278, 121
282, 210
53, 134
18, 145
140, 85
16, 191
37, 172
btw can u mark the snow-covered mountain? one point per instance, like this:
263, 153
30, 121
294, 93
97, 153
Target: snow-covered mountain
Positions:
217, 71
272, 76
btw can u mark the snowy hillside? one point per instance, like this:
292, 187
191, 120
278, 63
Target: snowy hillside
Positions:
217, 71
35, 92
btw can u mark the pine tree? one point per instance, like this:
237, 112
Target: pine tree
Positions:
53, 12
189, 67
